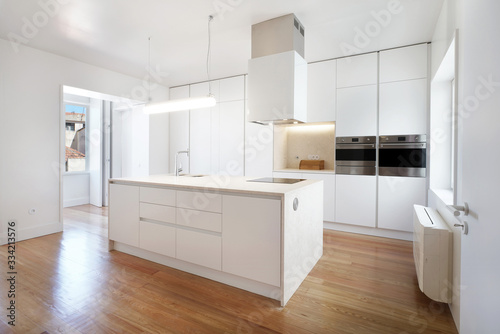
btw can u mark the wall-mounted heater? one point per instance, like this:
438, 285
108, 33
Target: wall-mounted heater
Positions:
432, 252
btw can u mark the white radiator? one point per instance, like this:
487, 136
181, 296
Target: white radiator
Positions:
432, 250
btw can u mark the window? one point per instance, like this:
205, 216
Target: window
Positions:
75, 138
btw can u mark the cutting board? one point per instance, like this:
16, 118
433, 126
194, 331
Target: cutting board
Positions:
312, 164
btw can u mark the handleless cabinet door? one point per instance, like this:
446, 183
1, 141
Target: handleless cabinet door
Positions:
357, 70
357, 111
157, 238
179, 130
232, 89
199, 248
200, 150
251, 234
232, 125
355, 200
124, 214
396, 197
406, 63
321, 91
403, 107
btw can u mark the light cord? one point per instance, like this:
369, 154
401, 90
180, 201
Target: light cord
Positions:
210, 18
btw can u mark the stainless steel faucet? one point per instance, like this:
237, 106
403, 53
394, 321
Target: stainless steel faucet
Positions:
179, 169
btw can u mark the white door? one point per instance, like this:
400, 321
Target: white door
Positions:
479, 101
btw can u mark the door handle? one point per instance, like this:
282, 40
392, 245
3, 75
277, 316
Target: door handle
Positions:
456, 209
464, 226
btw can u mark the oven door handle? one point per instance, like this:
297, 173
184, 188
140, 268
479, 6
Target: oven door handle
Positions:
407, 146
354, 146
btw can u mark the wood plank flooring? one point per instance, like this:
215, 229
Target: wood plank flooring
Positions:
69, 283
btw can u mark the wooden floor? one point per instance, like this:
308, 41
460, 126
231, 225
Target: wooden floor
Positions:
69, 283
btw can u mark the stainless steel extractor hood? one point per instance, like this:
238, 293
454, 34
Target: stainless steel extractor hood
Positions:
277, 72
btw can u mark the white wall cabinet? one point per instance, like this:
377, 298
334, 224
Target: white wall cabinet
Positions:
328, 189
356, 200
200, 141
252, 230
403, 107
357, 111
396, 197
231, 138
321, 91
124, 213
406, 63
357, 70
203, 88
179, 130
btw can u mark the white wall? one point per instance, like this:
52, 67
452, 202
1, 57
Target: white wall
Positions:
443, 34
76, 189
30, 131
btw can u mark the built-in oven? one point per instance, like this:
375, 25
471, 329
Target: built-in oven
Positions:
404, 155
356, 155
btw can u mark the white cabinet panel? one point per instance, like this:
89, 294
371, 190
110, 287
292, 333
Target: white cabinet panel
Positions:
258, 150
157, 196
232, 89
200, 141
209, 221
328, 193
251, 238
357, 70
232, 125
357, 111
403, 63
160, 213
396, 197
157, 238
321, 91
124, 214
403, 107
355, 199
196, 200
199, 248
215, 140
179, 139
202, 89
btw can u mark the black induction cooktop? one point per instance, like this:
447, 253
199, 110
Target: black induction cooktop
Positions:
276, 180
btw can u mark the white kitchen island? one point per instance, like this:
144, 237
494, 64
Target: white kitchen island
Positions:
260, 237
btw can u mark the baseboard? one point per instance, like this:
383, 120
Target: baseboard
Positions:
33, 232
76, 201
377, 232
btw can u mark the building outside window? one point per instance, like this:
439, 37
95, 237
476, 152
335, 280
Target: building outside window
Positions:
75, 138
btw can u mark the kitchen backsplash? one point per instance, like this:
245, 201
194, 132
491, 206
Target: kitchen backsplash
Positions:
298, 142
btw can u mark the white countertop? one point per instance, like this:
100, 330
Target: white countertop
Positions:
238, 184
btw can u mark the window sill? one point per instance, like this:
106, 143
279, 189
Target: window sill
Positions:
445, 195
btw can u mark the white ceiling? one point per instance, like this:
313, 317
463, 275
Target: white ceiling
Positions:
114, 33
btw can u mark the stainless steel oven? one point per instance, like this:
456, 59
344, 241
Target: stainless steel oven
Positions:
404, 155
356, 155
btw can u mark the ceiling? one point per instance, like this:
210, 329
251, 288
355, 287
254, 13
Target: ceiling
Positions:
114, 33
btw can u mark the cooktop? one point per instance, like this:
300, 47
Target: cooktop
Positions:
276, 180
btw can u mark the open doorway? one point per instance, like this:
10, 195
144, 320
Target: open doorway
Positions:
103, 137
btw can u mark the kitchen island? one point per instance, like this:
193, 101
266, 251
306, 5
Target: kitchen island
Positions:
261, 237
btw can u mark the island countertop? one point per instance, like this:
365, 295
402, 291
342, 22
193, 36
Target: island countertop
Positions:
230, 184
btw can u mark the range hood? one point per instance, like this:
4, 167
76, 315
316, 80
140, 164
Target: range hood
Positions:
277, 72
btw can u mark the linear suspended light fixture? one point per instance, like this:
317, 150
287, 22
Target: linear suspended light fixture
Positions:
190, 103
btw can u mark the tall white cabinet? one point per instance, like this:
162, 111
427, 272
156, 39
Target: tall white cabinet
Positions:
214, 136
321, 91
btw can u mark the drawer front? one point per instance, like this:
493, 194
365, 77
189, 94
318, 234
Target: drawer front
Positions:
201, 201
157, 238
157, 212
158, 196
199, 248
209, 221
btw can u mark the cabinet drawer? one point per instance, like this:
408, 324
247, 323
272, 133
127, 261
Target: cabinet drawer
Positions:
157, 238
209, 221
199, 248
201, 201
158, 196
158, 212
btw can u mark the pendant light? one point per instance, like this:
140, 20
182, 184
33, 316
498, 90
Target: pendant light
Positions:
188, 103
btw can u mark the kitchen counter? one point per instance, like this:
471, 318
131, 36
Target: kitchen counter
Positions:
261, 237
